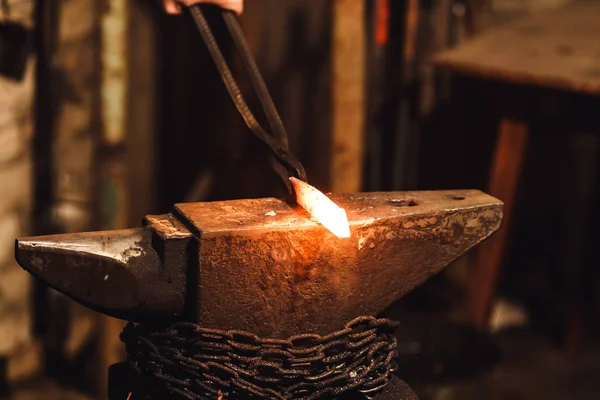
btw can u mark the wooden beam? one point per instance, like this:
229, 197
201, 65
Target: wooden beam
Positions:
142, 105
348, 95
113, 204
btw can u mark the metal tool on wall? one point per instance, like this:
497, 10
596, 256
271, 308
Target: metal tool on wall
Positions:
15, 45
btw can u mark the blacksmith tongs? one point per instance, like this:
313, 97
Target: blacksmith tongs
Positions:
284, 162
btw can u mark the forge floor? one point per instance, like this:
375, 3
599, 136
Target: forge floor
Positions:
44, 389
532, 367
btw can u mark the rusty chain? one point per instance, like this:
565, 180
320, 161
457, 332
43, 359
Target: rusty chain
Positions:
186, 361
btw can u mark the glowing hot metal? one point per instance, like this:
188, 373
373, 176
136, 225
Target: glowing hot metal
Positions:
321, 208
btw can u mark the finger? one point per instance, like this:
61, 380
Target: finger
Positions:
171, 6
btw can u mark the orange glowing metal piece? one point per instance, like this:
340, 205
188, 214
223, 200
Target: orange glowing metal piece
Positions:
321, 208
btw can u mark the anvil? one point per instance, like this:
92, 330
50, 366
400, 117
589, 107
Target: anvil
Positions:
262, 265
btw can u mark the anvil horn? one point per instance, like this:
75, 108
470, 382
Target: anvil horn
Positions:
263, 266
118, 273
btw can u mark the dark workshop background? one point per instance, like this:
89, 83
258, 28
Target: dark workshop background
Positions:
121, 113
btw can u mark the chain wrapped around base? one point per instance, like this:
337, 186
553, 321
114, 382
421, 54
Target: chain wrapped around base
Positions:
186, 361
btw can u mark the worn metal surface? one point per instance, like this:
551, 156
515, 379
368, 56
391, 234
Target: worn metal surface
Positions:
262, 266
119, 273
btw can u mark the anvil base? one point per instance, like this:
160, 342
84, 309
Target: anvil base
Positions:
123, 384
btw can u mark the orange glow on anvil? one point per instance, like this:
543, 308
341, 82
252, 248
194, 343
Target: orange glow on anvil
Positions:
321, 208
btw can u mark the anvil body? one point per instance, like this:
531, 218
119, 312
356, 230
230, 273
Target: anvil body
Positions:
263, 266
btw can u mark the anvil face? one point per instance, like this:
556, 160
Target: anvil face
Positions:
263, 266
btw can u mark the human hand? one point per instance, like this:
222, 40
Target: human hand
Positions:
174, 6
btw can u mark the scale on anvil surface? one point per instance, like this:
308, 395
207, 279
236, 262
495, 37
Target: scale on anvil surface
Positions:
254, 298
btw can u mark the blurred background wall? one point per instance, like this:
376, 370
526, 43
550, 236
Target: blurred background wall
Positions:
16, 203
121, 113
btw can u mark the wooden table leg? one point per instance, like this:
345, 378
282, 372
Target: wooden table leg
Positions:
581, 179
504, 181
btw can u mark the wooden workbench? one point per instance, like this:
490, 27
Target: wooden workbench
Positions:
557, 49
551, 55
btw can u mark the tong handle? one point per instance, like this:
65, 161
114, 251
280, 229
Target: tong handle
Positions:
278, 142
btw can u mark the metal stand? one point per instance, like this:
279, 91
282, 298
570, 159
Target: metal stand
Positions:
123, 384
